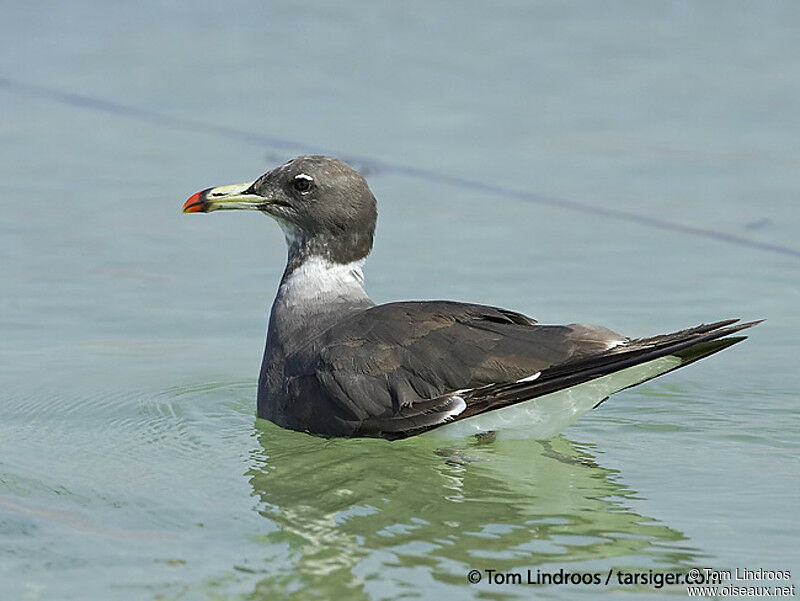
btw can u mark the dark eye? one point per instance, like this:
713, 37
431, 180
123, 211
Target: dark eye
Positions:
303, 183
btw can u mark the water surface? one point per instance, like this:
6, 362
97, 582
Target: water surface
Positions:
131, 462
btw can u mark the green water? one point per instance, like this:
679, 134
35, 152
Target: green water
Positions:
131, 462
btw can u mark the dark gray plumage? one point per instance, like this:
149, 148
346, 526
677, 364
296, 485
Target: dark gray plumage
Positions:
338, 365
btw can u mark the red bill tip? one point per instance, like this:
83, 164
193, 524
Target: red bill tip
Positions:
196, 203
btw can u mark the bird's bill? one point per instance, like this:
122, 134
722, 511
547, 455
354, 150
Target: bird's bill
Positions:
236, 196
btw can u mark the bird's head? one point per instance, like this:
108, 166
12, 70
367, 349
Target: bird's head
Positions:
323, 205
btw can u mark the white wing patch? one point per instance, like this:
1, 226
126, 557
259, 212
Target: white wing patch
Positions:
459, 392
529, 378
461, 404
457, 409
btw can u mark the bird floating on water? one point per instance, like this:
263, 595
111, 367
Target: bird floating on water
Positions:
336, 364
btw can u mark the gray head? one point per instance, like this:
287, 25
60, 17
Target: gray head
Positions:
323, 205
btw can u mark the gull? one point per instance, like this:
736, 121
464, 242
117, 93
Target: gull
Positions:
338, 365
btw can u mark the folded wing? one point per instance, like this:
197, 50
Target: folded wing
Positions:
407, 366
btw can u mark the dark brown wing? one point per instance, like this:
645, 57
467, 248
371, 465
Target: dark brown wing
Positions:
689, 345
395, 367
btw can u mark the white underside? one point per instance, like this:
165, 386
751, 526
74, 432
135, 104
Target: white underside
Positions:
546, 416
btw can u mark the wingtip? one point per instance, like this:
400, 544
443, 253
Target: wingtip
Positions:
747, 324
729, 324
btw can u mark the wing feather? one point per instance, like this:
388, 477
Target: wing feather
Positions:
399, 364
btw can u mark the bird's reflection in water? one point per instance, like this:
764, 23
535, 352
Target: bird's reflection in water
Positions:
363, 518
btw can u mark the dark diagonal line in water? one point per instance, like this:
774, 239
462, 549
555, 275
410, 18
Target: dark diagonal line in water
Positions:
132, 112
